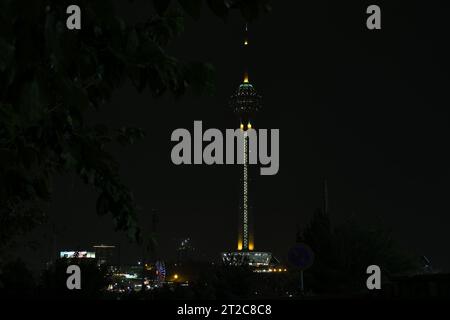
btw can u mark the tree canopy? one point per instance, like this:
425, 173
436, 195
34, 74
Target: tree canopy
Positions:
50, 77
344, 251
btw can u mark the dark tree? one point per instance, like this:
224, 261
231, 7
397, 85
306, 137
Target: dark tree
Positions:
50, 77
16, 280
94, 280
342, 253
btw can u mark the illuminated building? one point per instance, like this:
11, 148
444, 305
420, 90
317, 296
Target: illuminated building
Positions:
77, 255
250, 258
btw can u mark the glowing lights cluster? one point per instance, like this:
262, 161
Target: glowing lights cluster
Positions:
271, 270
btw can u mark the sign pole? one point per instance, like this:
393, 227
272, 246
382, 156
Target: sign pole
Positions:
302, 288
302, 257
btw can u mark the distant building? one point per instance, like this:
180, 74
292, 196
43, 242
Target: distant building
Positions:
253, 259
77, 255
185, 250
105, 254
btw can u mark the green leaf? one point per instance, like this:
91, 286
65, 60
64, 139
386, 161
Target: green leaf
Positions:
6, 54
132, 42
250, 9
30, 101
219, 8
7, 158
161, 6
201, 78
192, 7
74, 96
52, 41
103, 203
42, 188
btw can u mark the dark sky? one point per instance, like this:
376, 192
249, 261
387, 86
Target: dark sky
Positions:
368, 110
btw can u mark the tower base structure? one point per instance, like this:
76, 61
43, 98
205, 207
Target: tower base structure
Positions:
253, 259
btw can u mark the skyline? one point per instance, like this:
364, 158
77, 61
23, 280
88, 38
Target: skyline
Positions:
367, 118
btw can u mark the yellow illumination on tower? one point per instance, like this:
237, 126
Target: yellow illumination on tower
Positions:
251, 246
249, 125
239, 245
246, 77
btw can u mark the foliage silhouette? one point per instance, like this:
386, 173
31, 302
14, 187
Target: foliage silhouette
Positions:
50, 77
94, 280
16, 280
343, 253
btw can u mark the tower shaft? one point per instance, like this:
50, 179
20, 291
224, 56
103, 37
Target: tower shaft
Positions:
245, 211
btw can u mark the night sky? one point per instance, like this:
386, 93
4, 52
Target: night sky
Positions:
368, 110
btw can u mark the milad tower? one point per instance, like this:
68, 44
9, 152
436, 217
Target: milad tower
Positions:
245, 103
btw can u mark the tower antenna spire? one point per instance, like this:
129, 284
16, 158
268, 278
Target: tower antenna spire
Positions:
246, 43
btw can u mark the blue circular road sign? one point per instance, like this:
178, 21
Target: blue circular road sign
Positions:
301, 256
